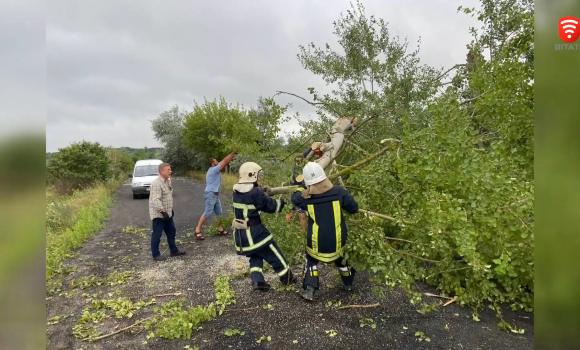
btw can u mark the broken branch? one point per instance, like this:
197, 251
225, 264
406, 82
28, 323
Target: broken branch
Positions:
167, 295
312, 103
449, 70
120, 330
368, 138
360, 164
357, 306
299, 147
398, 239
252, 308
347, 170
450, 302
300, 97
437, 296
471, 99
357, 147
390, 140
420, 258
382, 216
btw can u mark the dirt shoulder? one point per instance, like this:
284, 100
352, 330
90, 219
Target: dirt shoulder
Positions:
291, 323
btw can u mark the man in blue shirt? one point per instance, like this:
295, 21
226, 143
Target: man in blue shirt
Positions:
213, 186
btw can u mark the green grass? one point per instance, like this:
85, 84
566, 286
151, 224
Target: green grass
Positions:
228, 180
71, 220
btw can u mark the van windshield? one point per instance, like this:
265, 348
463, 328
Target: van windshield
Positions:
146, 170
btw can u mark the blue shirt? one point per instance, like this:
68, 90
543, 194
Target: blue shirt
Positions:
213, 179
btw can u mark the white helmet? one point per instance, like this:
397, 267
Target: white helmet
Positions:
313, 174
249, 173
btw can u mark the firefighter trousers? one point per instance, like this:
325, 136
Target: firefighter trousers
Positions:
311, 272
273, 256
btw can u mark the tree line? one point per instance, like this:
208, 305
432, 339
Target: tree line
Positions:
82, 164
213, 128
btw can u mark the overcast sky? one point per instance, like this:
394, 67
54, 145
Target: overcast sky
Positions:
22, 66
112, 66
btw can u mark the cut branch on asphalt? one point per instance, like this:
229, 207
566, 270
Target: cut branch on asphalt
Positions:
138, 322
357, 306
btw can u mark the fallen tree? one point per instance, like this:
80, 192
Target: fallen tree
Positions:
329, 152
448, 196
325, 160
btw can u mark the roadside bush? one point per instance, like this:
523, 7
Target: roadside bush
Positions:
79, 166
120, 163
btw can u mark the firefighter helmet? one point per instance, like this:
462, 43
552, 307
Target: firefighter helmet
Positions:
249, 173
313, 174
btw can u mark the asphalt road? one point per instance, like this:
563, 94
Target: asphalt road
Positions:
292, 323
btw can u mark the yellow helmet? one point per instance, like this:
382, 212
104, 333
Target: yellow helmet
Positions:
249, 173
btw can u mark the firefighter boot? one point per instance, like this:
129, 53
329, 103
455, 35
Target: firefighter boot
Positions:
310, 283
262, 286
347, 275
308, 293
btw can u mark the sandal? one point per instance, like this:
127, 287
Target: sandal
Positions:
223, 233
199, 236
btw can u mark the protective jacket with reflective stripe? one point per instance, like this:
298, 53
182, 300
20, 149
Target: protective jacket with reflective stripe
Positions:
248, 206
327, 231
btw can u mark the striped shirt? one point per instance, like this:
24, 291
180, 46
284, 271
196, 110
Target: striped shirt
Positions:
161, 197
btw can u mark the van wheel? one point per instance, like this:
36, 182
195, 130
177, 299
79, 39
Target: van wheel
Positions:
135, 196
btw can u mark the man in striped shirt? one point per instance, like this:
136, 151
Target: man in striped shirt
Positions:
161, 213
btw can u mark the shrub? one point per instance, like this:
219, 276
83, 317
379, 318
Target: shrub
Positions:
78, 166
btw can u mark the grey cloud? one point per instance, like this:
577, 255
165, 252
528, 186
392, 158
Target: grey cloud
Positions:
113, 66
22, 66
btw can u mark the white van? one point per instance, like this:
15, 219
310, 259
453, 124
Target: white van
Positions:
144, 172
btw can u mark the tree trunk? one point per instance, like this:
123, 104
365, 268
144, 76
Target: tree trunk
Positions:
330, 149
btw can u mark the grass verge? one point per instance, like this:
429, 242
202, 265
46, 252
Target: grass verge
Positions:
71, 220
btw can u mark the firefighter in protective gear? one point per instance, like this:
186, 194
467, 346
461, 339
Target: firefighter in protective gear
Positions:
327, 231
251, 237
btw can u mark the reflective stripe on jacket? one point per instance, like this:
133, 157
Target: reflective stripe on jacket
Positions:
248, 206
327, 231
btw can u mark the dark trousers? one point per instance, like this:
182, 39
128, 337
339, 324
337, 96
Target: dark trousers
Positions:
160, 225
273, 256
311, 273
